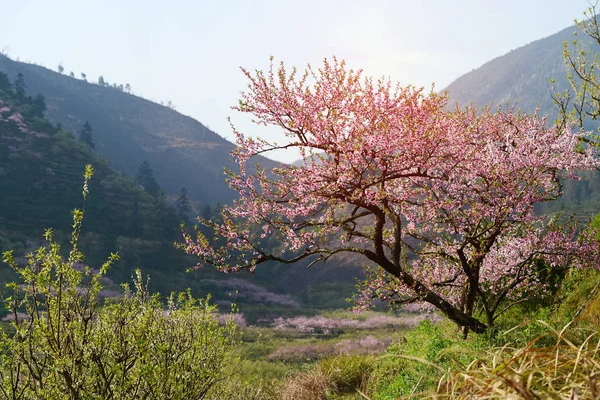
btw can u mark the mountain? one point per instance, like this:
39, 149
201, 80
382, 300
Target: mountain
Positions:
41, 173
129, 129
523, 77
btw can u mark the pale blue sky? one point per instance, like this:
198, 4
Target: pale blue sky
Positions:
189, 51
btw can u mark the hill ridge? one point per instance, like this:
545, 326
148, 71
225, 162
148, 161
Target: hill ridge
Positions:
129, 129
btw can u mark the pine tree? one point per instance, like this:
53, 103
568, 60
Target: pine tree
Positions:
145, 178
20, 87
85, 135
38, 106
4, 82
183, 203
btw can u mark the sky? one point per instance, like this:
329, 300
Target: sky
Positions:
189, 51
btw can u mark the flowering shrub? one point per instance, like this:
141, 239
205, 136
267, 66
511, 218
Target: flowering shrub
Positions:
67, 345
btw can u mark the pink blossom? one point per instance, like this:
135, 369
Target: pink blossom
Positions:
441, 201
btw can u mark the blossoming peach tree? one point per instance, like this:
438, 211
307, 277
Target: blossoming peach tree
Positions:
441, 202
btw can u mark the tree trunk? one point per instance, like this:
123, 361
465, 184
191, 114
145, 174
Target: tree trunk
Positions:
453, 313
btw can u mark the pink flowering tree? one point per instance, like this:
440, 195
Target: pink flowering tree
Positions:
441, 202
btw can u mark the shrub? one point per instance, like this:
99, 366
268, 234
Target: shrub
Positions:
68, 347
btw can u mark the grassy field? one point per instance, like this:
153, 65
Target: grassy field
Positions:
276, 351
539, 351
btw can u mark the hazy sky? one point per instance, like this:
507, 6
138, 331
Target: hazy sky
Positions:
190, 51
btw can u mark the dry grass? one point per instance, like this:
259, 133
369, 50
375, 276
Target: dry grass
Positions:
310, 385
562, 371
336, 376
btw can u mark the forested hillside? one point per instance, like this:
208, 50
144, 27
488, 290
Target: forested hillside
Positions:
129, 129
41, 172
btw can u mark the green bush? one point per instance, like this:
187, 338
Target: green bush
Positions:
66, 346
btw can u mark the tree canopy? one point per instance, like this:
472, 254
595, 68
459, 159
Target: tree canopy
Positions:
441, 202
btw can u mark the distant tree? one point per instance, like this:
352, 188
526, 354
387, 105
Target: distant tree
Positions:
128, 88
84, 76
145, 177
4, 82
20, 86
183, 203
101, 81
38, 106
61, 69
72, 74
120, 87
85, 135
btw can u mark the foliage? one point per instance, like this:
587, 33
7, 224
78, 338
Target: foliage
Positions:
441, 201
66, 346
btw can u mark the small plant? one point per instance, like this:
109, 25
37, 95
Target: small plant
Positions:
67, 345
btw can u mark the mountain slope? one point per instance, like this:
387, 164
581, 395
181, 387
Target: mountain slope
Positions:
128, 130
41, 173
522, 76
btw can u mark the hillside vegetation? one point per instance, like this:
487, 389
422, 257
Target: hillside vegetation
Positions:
40, 172
129, 129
